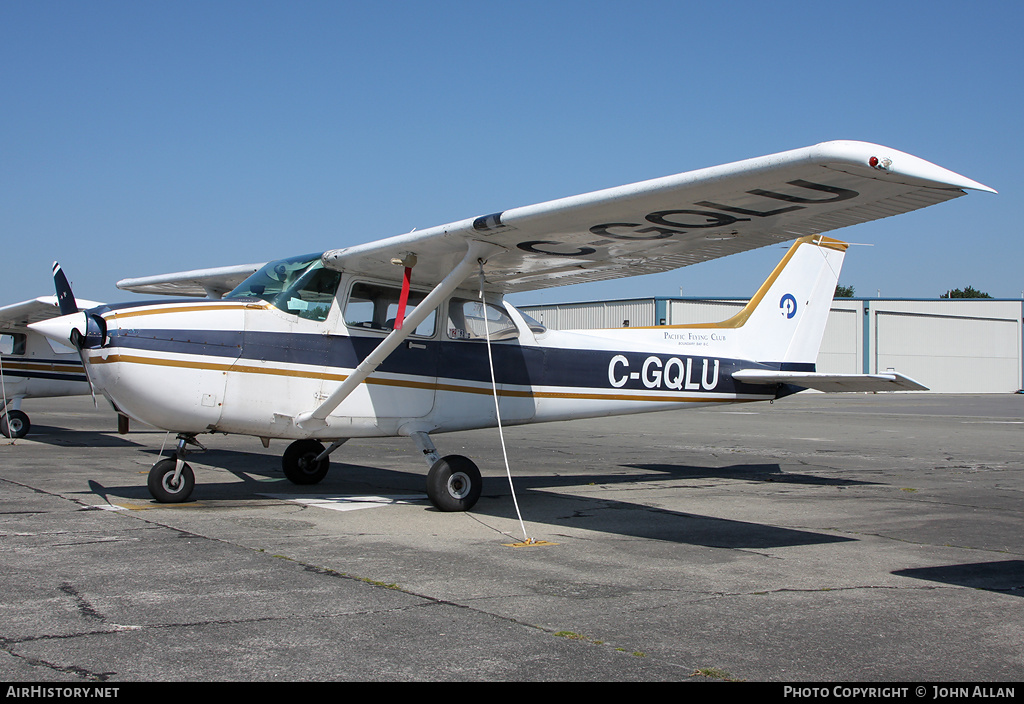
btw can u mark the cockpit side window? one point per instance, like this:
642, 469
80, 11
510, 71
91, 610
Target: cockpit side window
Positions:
375, 307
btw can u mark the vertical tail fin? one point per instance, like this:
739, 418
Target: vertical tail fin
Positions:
785, 320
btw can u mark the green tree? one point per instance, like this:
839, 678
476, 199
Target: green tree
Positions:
968, 292
844, 291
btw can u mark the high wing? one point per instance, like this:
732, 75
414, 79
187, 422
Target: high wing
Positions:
675, 221
17, 316
645, 227
199, 283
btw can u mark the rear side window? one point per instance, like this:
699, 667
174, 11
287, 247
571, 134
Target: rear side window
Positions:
471, 320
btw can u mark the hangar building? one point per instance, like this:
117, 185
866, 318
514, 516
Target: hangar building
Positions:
970, 345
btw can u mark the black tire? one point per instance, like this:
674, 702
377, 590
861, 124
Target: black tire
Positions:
161, 476
454, 484
298, 463
14, 424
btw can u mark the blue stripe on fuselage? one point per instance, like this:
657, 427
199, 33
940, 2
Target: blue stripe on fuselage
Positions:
50, 376
459, 360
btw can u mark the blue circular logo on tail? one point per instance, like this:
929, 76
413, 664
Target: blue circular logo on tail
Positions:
788, 302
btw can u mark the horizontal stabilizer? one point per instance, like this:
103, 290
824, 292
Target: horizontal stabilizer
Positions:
821, 381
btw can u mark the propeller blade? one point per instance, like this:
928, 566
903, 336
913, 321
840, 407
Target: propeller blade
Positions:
65, 299
67, 305
88, 377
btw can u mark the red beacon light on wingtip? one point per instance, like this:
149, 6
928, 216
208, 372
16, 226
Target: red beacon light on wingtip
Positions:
880, 164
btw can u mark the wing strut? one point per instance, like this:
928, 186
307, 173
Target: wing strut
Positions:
316, 419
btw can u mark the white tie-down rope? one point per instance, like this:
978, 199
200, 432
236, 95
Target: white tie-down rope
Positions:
497, 410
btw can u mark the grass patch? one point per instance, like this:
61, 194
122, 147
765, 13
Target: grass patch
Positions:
714, 673
577, 636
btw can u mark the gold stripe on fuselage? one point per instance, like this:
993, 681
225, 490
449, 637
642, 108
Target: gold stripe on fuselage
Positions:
71, 368
164, 309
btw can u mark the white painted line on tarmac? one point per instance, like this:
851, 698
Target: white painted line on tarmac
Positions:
349, 503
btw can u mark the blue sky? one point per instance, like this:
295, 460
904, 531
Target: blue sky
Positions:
147, 137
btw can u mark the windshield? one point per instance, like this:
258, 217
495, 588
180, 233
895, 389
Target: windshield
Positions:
297, 285
274, 278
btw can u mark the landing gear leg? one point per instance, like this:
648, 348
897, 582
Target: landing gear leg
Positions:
453, 482
171, 480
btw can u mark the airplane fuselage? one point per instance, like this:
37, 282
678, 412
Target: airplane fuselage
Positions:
244, 366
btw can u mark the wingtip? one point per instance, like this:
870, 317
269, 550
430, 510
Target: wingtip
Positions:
891, 161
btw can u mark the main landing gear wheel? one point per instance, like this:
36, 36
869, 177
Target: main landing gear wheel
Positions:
454, 483
163, 486
300, 465
14, 424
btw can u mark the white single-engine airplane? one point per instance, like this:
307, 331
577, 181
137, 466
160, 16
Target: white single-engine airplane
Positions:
32, 366
409, 336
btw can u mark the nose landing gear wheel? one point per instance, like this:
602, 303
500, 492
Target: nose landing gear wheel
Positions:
14, 424
454, 484
300, 465
163, 486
